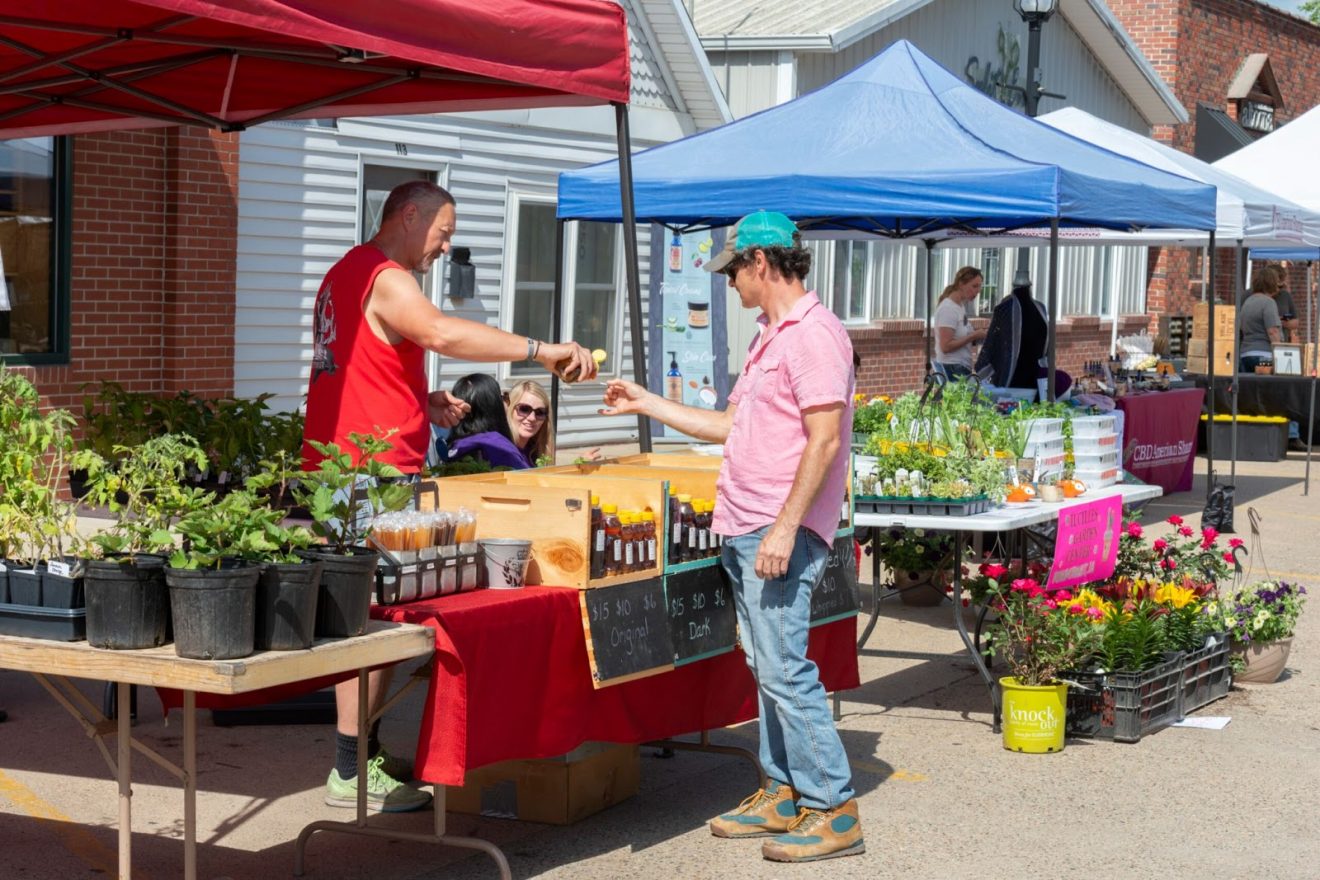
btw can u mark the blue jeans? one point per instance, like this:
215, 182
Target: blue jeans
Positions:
799, 744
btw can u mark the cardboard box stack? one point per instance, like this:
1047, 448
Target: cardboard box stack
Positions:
1198, 349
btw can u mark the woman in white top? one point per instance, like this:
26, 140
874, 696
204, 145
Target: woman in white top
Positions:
954, 336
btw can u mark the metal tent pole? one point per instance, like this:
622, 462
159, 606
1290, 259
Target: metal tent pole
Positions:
556, 330
1238, 270
930, 302
1210, 360
1053, 305
630, 260
1310, 423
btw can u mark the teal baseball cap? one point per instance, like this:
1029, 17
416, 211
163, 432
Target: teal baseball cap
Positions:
761, 229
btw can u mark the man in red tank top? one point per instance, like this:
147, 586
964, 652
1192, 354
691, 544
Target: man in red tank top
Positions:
372, 328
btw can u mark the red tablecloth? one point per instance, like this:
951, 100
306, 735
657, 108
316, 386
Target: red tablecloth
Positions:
1159, 436
511, 681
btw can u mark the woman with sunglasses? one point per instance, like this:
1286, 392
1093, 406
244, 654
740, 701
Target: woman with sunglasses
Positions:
484, 431
530, 422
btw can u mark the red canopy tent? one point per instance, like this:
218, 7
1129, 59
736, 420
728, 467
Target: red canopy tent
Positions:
72, 66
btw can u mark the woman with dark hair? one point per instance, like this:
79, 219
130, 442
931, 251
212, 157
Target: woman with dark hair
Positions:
484, 431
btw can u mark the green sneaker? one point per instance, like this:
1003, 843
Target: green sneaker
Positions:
385, 794
394, 766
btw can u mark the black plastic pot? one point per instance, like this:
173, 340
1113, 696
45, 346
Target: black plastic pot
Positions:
60, 591
286, 605
347, 582
214, 611
4, 583
128, 603
25, 586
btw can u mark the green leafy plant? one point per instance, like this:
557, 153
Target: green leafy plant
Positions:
331, 492
235, 527
1038, 635
1266, 611
144, 487
914, 550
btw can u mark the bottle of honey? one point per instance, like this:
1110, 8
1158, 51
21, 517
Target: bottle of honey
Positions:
648, 537
687, 533
597, 539
613, 539
702, 520
673, 540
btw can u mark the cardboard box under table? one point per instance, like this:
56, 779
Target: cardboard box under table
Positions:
555, 791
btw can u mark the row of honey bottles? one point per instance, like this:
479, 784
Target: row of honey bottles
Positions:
690, 535
622, 541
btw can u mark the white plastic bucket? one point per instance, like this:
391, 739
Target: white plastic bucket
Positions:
504, 562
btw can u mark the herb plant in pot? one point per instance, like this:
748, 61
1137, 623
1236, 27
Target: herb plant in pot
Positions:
345, 493
915, 558
212, 578
143, 487
1038, 635
289, 586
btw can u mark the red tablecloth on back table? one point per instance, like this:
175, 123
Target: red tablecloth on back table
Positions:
1159, 436
511, 681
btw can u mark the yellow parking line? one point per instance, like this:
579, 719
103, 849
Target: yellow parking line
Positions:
77, 839
896, 775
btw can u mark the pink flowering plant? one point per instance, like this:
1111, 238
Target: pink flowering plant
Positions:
1040, 634
1183, 554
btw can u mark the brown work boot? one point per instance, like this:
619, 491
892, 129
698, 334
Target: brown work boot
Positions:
819, 834
769, 811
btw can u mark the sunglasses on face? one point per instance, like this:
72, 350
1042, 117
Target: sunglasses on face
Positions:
523, 411
731, 271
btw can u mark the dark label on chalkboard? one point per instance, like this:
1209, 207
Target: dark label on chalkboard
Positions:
836, 594
701, 613
627, 630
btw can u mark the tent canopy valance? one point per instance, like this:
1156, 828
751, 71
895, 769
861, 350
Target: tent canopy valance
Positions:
72, 66
899, 147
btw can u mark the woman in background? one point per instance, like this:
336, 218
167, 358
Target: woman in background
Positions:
954, 336
530, 422
484, 432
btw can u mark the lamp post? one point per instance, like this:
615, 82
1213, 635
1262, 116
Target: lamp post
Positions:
1035, 13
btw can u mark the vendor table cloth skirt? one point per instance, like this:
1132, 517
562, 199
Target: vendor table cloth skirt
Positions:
1288, 396
511, 681
1159, 436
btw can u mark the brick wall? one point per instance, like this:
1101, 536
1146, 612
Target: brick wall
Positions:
1197, 47
893, 352
153, 254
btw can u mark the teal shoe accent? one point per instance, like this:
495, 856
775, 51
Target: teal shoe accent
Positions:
786, 809
743, 819
798, 839
843, 824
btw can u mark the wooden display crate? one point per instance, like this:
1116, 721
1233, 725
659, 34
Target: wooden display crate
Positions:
1225, 357
553, 511
1225, 321
668, 460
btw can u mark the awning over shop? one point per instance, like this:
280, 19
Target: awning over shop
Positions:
899, 147
71, 66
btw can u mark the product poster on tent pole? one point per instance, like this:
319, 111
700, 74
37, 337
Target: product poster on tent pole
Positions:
689, 344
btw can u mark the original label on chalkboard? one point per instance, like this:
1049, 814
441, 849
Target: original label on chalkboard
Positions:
835, 597
627, 630
701, 614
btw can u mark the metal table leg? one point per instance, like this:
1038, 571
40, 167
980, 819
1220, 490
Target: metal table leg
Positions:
124, 764
959, 545
705, 745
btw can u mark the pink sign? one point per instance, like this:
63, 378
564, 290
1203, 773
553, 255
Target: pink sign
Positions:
1087, 544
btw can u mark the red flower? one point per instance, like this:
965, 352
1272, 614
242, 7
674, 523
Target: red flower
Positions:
1025, 585
1076, 608
1234, 543
993, 570
1063, 596
1228, 557
1185, 532
1209, 533
1175, 520
1134, 530
1160, 545
1094, 613
1168, 564
966, 602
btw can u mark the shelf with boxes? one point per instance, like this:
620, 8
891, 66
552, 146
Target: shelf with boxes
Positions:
1224, 334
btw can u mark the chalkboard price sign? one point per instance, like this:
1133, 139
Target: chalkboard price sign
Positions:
835, 597
627, 631
701, 614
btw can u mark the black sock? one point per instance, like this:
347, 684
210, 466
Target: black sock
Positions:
346, 755
373, 740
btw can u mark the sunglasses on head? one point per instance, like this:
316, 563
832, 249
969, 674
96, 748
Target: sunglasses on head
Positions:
523, 411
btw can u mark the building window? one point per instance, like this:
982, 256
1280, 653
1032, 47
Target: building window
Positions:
35, 174
377, 181
992, 277
851, 299
593, 279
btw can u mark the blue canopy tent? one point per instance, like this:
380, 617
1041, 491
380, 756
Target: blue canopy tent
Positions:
898, 148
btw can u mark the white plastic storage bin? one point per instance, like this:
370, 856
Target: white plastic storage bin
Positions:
1099, 443
1093, 426
1045, 430
1098, 479
1045, 448
1101, 460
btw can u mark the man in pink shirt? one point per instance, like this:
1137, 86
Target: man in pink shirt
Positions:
778, 497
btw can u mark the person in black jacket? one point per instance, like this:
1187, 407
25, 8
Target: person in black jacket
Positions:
1017, 339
